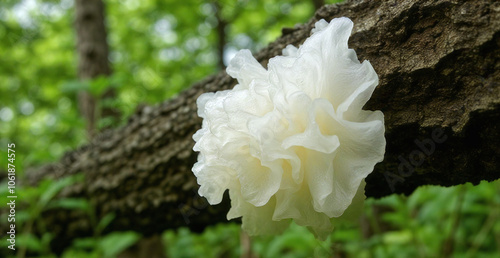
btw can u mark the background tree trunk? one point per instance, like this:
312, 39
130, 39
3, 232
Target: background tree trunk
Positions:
318, 4
439, 69
93, 54
92, 59
221, 34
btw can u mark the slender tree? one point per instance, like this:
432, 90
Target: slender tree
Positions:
92, 59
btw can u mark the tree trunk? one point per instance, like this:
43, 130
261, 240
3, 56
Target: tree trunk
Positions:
92, 58
93, 53
439, 69
318, 4
221, 34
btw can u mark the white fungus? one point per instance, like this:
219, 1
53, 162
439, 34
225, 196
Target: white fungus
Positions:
292, 141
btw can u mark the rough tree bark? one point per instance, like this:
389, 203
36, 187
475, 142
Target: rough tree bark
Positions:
439, 68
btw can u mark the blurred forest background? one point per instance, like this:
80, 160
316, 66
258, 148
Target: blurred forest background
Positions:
157, 48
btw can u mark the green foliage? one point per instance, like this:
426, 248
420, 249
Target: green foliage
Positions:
33, 201
217, 241
296, 242
37, 53
109, 245
466, 217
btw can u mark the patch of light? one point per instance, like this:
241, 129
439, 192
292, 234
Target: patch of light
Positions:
164, 29
53, 11
27, 108
50, 119
169, 37
207, 9
64, 104
131, 4
169, 54
6, 114
204, 28
115, 56
243, 41
22, 13
206, 58
162, 26
229, 53
66, 4
195, 43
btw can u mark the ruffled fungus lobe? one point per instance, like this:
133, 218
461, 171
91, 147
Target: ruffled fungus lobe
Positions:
292, 141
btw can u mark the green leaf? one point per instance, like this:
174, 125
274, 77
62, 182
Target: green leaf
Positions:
104, 222
55, 187
70, 204
397, 237
74, 253
98, 85
74, 86
45, 240
30, 241
87, 243
116, 242
107, 122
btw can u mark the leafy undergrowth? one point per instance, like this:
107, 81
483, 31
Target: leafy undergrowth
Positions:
460, 221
